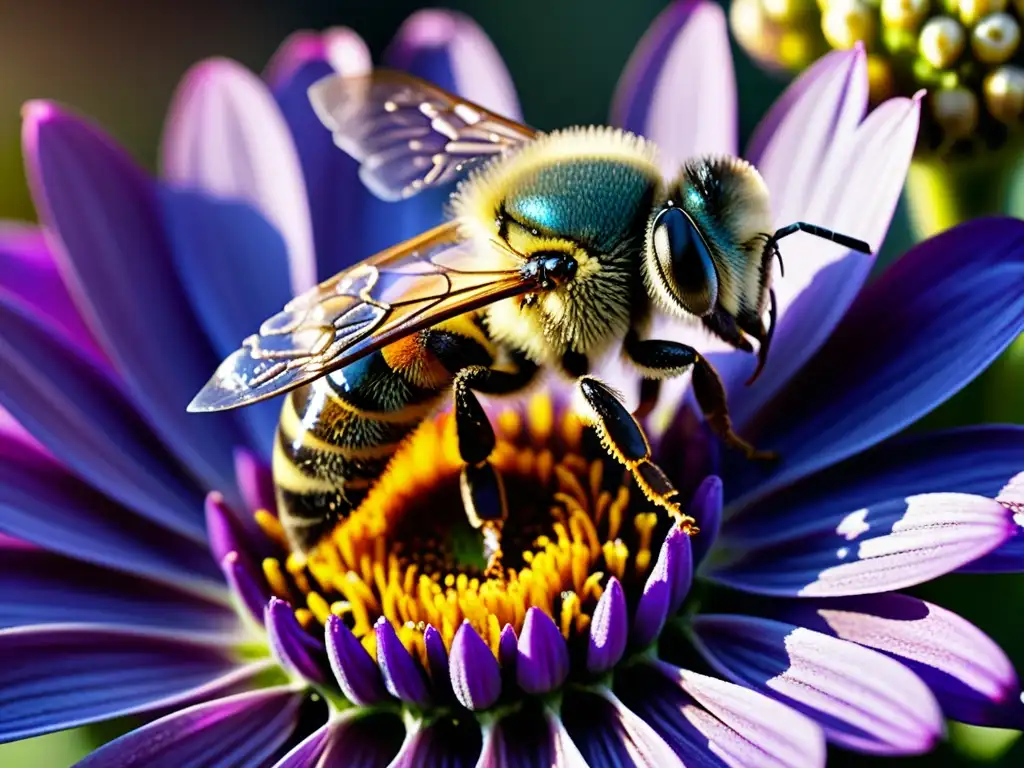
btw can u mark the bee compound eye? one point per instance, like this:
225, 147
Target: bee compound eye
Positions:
684, 261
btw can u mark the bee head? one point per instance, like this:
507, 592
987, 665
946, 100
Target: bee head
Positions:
679, 266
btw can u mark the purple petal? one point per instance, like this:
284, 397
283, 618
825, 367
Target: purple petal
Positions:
970, 675
857, 192
437, 664
69, 675
49, 507
337, 198
353, 667
222, 528
709, 722
609, 735
226, 136
678, 88
29, 273
402, 676
1013, 491
245, 729
96, 433
475, 675
234, 267
529, 736
308, 751
882, 547
913, 338
821, 109
360, 740
248, 587
862, 699
451, 50
448, 741
297, 651
609, 629
543, 661
666, 588
117, 264
255, 481
508, 650
706, 508
39, 587
16, 442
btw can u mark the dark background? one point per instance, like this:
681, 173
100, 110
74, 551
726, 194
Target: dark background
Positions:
119, 62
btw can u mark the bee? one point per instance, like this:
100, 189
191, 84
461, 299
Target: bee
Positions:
557, 248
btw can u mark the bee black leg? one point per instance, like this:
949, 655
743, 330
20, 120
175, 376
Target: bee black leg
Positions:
665, 359
481, 484
626, 442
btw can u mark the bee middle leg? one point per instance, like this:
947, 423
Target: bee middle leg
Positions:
481, 485
666, 359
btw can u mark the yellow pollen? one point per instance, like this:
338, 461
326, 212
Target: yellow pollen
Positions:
271, 528
409, 554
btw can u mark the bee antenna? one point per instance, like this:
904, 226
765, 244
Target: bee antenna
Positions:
827, 234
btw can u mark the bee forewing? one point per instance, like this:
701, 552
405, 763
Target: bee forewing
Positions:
407, 134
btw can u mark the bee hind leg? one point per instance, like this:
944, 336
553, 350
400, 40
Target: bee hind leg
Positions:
480, 482
626, 442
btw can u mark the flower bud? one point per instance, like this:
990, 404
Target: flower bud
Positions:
973, 11
942, 41
996, 38
904, 14
1004, 94
845, 22
956, 112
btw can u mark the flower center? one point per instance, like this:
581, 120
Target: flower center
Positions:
408, 553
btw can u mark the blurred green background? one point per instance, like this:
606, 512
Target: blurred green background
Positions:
119, 62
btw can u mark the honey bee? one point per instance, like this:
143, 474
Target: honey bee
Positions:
558, 247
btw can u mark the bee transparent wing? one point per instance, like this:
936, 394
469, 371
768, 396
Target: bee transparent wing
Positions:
403, 290
407, 134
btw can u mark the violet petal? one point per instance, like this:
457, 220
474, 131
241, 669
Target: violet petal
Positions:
245, 729
226, 136
877, 548
970, 675
40, 587
863, 699
609, 629
856, 194
29, 274
308, 751
402, 676
508, 650
353, 667
337, 198
96, 433
222, 527
437, 663
608, 734
529, 736
678, 88
902, 350
543, 661
47, 506
72, 674
710, 722
248, 586
297, 651
255, 481
17, 443
706, 509
367, 741
475, 675
665, 590
453, 742
117, 264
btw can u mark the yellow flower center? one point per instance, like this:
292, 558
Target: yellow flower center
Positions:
409, 554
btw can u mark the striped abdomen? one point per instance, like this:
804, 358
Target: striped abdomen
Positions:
337, 434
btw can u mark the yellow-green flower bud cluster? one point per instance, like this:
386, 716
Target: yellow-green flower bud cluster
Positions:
966, 53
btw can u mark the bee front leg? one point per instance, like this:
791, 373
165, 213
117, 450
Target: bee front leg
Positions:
666, 359
480, 483
625, 440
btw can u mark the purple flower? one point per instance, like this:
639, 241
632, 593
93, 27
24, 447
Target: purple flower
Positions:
611, 639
